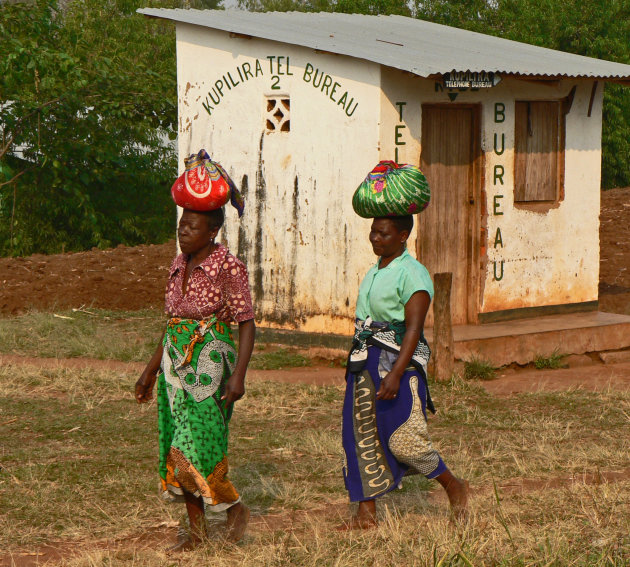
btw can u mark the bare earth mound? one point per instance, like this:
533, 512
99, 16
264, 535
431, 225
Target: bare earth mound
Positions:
121, 278
614, 236
133, 278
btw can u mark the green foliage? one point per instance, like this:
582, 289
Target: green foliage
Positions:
616, 136
478, 369
89, 105
553, 361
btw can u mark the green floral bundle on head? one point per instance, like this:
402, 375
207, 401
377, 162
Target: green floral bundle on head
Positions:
392, 190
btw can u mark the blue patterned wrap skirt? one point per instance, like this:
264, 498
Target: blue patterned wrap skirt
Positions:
384, 440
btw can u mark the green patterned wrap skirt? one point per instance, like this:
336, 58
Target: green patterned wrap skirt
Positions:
199, 357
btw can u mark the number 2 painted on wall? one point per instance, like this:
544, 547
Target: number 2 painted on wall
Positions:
275, 86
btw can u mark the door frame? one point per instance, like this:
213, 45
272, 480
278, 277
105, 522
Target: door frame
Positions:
476, 209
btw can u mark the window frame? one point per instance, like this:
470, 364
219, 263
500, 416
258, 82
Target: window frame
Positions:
522, 192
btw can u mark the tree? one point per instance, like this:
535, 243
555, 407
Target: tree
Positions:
372, 7
87, 105
594, 28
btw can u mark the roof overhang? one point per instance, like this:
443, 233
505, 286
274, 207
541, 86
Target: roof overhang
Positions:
419, 47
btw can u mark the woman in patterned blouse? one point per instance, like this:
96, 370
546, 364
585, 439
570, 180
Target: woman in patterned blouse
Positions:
200, 374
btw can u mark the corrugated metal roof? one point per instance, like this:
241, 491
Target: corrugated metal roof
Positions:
420, 47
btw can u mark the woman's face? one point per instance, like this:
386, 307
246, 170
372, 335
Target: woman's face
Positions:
193, 232
386, 239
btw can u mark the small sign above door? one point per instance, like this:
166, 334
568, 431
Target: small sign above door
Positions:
470, 80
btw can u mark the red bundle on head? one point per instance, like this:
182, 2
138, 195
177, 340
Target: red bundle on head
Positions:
205, 185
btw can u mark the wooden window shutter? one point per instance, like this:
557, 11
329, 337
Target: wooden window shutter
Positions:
539, 151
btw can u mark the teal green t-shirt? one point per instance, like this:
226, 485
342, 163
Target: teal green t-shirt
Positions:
384, 293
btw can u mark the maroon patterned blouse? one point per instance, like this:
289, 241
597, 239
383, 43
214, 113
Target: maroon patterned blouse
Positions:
217, 286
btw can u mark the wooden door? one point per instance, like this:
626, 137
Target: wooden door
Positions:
448, 227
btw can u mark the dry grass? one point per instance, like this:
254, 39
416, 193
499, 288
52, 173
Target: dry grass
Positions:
129, 336
78, 458
92, 333
278, 357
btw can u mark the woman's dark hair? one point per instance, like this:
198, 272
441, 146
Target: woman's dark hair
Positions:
215, 218
402, 223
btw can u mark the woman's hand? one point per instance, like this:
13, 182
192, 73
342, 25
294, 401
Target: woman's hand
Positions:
389, 386
234, 388
144, 386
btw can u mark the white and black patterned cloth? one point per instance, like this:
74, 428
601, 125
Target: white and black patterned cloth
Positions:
387, 336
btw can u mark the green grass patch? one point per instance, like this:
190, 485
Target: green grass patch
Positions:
279, 358
553, 361
479, 369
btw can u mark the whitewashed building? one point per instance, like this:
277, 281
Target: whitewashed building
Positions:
298, 107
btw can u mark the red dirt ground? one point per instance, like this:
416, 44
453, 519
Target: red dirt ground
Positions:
614, 266
120, 278
133, 278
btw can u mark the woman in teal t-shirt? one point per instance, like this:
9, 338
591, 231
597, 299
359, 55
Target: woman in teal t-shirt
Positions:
384, 414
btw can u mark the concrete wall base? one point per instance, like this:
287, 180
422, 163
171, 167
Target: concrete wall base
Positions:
522, 341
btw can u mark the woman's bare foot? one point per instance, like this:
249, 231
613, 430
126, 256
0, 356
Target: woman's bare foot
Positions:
458, 497
237, 520
457, 491
358, 523
364, 519
184, 542
197, 521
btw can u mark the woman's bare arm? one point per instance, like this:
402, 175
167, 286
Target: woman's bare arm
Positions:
415, 313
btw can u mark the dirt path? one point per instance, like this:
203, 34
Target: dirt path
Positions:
595, 377
315, 375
